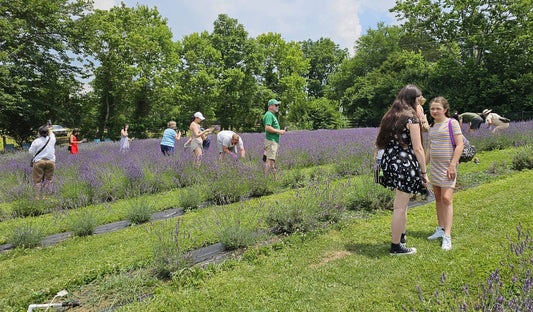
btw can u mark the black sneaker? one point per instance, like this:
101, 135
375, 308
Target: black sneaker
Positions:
399, 249
402, 239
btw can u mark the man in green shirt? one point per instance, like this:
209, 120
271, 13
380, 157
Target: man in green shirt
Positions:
272, 135
473, 120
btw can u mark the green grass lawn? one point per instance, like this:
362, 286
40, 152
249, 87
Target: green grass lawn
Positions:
347, 268
344, 267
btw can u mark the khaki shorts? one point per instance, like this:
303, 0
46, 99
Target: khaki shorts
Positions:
196, 144
271, 148
43, 170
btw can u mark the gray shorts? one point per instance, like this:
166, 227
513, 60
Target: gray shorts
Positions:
196, 144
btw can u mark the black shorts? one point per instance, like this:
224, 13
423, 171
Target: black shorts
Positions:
475, 123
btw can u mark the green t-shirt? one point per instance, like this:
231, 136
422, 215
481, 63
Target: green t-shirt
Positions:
270, 119
468, 117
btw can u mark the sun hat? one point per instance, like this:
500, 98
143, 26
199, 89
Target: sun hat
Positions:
487, 111
199, 115
273, 102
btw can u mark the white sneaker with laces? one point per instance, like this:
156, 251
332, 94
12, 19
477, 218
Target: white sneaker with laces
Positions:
438, 233
446, 242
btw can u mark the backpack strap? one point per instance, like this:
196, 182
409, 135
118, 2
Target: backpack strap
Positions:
451, 132
41, 149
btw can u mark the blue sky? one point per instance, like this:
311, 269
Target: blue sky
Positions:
343, 21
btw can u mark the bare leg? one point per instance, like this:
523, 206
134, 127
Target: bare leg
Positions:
270, 167
399, 215
447, 209
197, 157
437, 190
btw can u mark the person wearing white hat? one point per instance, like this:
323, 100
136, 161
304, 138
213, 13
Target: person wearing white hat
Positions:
499, 122
197, 136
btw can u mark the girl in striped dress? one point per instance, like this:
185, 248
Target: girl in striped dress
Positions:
443, 160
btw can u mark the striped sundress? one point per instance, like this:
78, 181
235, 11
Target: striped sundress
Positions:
441, 152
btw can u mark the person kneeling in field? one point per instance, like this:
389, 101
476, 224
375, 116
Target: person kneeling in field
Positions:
228, 142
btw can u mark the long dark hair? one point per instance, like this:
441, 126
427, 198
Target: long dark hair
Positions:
395, 119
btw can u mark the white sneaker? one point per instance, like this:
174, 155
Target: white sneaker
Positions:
438, 233
446, 242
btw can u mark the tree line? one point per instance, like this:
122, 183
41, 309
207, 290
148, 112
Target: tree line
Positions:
476, 53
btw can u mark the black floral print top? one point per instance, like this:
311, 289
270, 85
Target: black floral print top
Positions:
401, 169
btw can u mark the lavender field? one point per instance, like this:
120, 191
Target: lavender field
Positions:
101, 173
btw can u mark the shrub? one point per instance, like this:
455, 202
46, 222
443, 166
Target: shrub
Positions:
25, 236
28, 207
191, 198
229, 191
523, 159
83, 223
140, 211
294, 178
318, 174
169, 257
369, 196
261, 185
237, 236
311, 207
288, 218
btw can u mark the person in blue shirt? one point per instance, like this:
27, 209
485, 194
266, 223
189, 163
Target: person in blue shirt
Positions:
169, 139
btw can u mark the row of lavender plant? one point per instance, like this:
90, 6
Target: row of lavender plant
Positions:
518, 134
100, 172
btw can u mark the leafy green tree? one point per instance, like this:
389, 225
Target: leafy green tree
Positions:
237, 83
135, 61
385, 61
314, 114
324, 57
371, 95
37, 75
485, 58
372, 50
282, 72
199, 68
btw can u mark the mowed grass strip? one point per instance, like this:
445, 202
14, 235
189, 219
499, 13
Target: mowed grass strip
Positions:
32, 276
57, 222
348, 268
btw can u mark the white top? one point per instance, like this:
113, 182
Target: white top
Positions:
49, 152
494, 119
224, 138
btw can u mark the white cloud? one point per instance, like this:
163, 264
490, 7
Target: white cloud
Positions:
348, 26
343, 21
295, 20
104, 4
